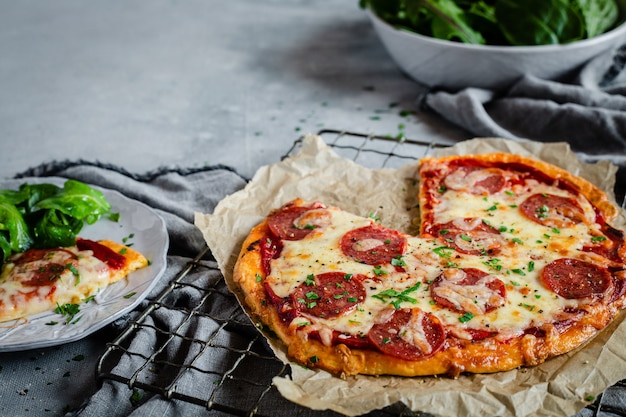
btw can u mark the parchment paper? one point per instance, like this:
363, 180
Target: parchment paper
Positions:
560, 387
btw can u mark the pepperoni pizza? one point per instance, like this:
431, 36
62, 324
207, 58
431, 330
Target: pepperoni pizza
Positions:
516, 262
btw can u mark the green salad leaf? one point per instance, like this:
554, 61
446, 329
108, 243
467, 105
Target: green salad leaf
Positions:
500, 22
599, 15
46, 215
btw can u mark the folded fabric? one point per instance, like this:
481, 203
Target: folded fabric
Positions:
588, 110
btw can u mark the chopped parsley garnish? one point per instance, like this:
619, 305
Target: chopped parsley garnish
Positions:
541, 212
136, 397
493, 263
444, 251
69, 311
70, 266
467, 316
312, 295
398, 261
374, 217
379, 271
400, 296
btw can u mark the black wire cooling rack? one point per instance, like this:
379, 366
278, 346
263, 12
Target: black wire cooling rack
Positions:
226, 348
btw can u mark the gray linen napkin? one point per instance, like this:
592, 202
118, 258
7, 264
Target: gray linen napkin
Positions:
587, 110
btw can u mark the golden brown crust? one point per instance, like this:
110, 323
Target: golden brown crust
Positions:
134, 260
456, 356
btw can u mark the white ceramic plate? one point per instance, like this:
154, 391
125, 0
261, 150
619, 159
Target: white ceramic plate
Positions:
140, 226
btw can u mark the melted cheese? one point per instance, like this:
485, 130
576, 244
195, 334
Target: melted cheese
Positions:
472, 298
413, 333
528, 302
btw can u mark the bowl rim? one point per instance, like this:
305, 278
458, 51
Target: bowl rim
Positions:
617, 31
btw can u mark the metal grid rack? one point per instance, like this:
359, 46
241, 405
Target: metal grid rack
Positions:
223, 344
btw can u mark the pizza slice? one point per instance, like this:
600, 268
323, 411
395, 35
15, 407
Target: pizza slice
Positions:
40, 280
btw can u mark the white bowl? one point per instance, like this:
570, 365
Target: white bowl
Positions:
453, 65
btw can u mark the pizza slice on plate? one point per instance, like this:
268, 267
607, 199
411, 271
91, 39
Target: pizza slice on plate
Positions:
39, 280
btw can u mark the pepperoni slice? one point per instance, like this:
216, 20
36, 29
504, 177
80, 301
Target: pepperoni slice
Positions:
271, 247
552, 210
373, 245
283, 223
476, 180
607, 244
46, 274
468, 290
573, 278
293, 222
470, 236
409, 334
33, 255
44, 266
329, 294
619, 286
107, 255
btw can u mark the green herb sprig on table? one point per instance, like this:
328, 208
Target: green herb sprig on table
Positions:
500, 22
46, 215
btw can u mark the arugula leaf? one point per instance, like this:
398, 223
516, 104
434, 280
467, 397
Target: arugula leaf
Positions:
599, 15
449, 21
45, 215
77, 200
13, 227
539, 22
500, 22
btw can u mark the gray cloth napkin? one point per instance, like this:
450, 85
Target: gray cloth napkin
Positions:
587, 110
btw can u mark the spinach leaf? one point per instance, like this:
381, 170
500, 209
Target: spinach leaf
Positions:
599, 15
13, 227
45, 215
56, 229
500, 22
449, 21
539, 22
77, 200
